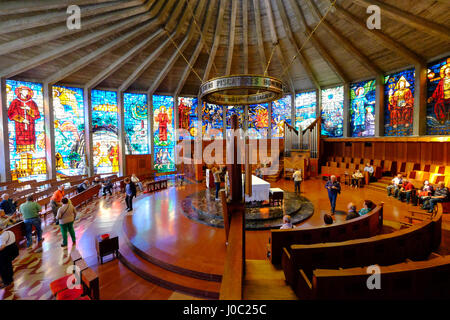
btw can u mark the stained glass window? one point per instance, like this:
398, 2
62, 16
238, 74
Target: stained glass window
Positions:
281, 113
305, 109
136, 123
258, 121
239, 111
105, 134
188, 117
399, 103
362, 108
212, 121
26, 130
70, 140
164, 134
438, 98
333, 112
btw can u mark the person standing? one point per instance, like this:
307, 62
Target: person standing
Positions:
297, 180
216, 175
107, 186
370, 171
30, 212
136, 181
55, 202
130, 191
8, 252
66, 217
334, 188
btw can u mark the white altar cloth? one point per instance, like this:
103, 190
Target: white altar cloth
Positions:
260, 190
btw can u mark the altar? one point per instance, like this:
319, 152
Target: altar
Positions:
260, 189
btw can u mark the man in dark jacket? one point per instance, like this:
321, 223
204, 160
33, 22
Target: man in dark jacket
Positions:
334, 188
83, 186
441, 194
352, 214
130, 191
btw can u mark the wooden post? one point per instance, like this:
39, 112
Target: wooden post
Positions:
49, 131
5, 169
420, 101
379, 106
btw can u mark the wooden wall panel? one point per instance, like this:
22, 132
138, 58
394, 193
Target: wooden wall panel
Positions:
406, 151
139, 164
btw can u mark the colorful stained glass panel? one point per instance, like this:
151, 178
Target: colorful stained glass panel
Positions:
333, 112
68, 106
305, 109
399, 103
164, 134
26, 130
105, 134
258, 121
212, 121
281, 114
187, 117
362, 108
136, 123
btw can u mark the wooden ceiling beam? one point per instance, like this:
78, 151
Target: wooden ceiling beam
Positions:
275, 42
384, 39
287, 29
317, 44
259, 36
198, 49
18, 24
173, 23
409, 19
139, 13
77, 44
233, 14
26, 6
245, 36
345, 42
216, 40
173, 59
109, 47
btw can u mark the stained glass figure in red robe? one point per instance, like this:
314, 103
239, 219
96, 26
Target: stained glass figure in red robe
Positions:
163, 120
183, 115
24, 112
401, 103
441, 95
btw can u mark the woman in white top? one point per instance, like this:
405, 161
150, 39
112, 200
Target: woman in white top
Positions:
8, 252
136, 181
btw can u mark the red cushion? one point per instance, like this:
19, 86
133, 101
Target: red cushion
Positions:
86, 297
69, 294
60, 284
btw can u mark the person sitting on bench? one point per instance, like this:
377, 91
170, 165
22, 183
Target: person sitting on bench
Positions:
352, 214
406, 191
356, 178
287, 224
425, 193
440, 195
83, 186
7, 205
367, 207
396, 184
107, 187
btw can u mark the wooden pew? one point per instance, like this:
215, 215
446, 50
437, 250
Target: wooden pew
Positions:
416, 243
408, 280
363, 227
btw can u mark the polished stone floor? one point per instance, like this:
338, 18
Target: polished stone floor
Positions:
202, 207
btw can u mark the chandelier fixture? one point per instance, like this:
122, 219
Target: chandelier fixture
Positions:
241, 90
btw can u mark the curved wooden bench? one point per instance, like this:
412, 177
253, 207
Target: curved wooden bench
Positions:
407, 280
416, 243
365, 226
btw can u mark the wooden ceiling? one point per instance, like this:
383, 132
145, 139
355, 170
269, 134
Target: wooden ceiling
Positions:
125, 45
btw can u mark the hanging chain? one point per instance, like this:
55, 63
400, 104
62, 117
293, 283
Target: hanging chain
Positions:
309, 37
202, 36
181, 53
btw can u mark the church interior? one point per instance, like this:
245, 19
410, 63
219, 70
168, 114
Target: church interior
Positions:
224, 150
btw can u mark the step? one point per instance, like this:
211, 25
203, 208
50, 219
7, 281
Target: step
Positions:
167, 279
265, 282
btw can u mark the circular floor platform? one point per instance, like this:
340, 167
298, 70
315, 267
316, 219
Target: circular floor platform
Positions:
202, 207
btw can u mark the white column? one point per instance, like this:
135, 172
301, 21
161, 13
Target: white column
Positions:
121, 134
49, 131
88, 131
5, 169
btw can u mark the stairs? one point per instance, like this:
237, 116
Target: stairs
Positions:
167, 279
380, 185
265, 282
